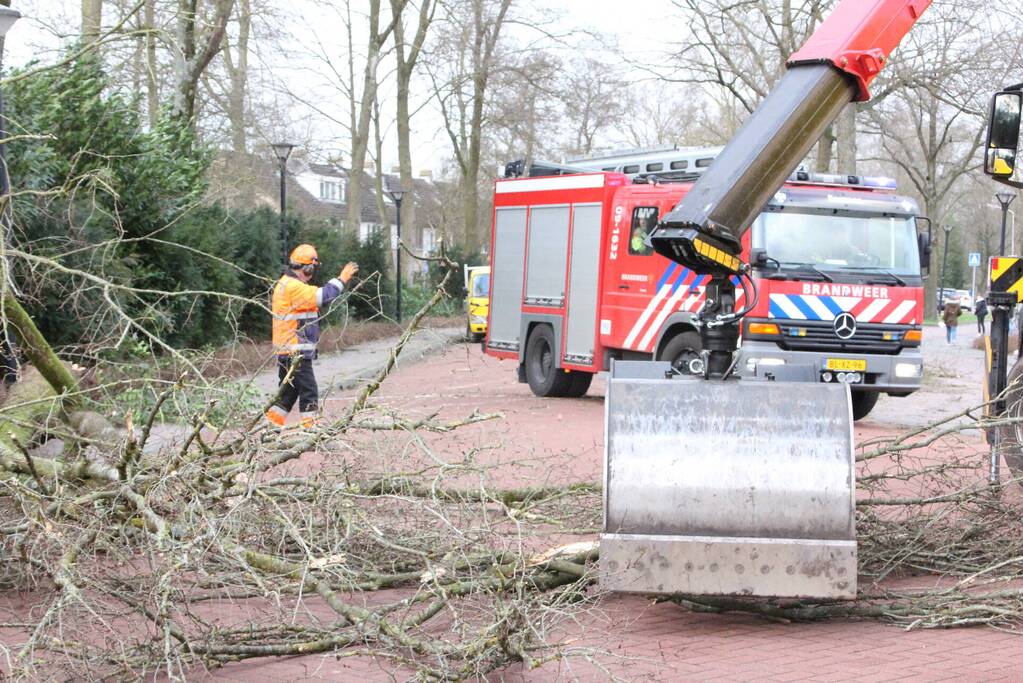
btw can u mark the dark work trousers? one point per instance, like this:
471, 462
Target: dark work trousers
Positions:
980, 324
300, 387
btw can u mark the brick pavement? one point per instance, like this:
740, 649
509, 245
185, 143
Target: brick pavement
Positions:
561, 440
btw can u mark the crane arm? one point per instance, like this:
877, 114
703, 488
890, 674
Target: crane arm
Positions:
835, 67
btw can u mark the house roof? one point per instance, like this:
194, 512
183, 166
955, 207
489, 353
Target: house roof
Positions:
329, 170
249, 180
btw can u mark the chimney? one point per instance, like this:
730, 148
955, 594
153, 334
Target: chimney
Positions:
426, 173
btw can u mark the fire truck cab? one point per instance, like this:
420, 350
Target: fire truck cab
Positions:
836, 268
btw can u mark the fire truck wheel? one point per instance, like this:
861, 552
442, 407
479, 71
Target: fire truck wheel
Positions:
580, 383
542, 372
863, 402
1010, 436
681, 349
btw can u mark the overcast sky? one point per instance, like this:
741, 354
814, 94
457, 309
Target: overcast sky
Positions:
640, 29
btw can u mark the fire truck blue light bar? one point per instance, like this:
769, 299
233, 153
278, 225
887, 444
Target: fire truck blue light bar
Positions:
879, 182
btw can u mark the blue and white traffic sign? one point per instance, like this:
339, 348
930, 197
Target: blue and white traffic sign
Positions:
974, 259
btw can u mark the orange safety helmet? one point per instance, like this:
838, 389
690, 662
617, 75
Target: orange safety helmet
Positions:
305, 255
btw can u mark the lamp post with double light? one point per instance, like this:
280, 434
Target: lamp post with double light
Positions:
396, 196
282, 150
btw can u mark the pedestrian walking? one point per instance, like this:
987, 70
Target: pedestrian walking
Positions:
951, 319
981, 311
296, 308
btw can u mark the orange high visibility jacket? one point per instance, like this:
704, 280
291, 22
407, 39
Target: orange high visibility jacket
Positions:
296, 313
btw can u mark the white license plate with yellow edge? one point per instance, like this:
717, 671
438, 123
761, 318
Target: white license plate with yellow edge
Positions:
846, 364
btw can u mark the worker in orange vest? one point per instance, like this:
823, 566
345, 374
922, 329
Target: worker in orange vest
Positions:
296, 308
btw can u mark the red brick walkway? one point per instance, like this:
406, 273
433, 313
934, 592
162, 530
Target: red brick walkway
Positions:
639, 640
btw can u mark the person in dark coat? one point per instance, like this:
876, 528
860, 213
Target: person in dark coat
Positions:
981, 311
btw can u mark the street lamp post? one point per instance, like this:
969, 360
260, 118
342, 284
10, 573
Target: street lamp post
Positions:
8, 361
396, 196
1012, 231
1004, 198
283, 150
944, 269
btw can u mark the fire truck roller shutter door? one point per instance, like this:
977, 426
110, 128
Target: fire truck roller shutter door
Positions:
548, 255
583, 283
506, 278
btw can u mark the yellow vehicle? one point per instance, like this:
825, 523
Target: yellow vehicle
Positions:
477, 301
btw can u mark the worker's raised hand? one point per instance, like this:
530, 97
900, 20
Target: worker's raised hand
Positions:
351, 268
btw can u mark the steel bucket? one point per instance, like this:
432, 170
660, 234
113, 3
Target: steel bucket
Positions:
727, 488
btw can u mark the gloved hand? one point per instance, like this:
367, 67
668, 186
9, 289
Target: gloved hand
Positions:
351, 268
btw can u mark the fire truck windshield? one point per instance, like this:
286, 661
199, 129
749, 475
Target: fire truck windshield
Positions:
839, 242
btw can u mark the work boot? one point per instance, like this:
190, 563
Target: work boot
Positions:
276, 416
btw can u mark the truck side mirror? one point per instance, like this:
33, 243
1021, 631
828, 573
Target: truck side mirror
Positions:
758, 257
924, 243
1003, 134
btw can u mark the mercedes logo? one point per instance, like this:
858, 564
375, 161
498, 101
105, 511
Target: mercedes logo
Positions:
845, 326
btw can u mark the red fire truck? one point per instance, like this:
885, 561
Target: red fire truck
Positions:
836, 268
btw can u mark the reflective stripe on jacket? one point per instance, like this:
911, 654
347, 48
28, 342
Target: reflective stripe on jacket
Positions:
296, 313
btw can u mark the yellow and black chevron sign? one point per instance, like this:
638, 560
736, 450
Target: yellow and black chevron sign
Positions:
1007, 275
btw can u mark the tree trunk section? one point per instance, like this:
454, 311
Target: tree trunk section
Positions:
407, 55
360, 135
824, 146
238, 72
846, 139
92, 19
381, 198
16, 424
35, 346
191, 61
152, 87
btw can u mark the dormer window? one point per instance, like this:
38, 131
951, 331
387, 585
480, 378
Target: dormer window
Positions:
329, 190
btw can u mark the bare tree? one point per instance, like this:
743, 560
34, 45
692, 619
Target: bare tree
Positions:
931, 126
526, 108
196, 44
741, 49
236, 63
407, 52
362, 108
461, 70
592, 93
656, 116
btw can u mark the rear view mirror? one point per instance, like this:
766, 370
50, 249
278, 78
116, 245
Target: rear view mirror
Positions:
1001, 153
1000, 163
923, 243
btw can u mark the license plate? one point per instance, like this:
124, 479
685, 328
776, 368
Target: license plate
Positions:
846, 364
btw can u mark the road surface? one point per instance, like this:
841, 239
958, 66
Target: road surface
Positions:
560, 440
